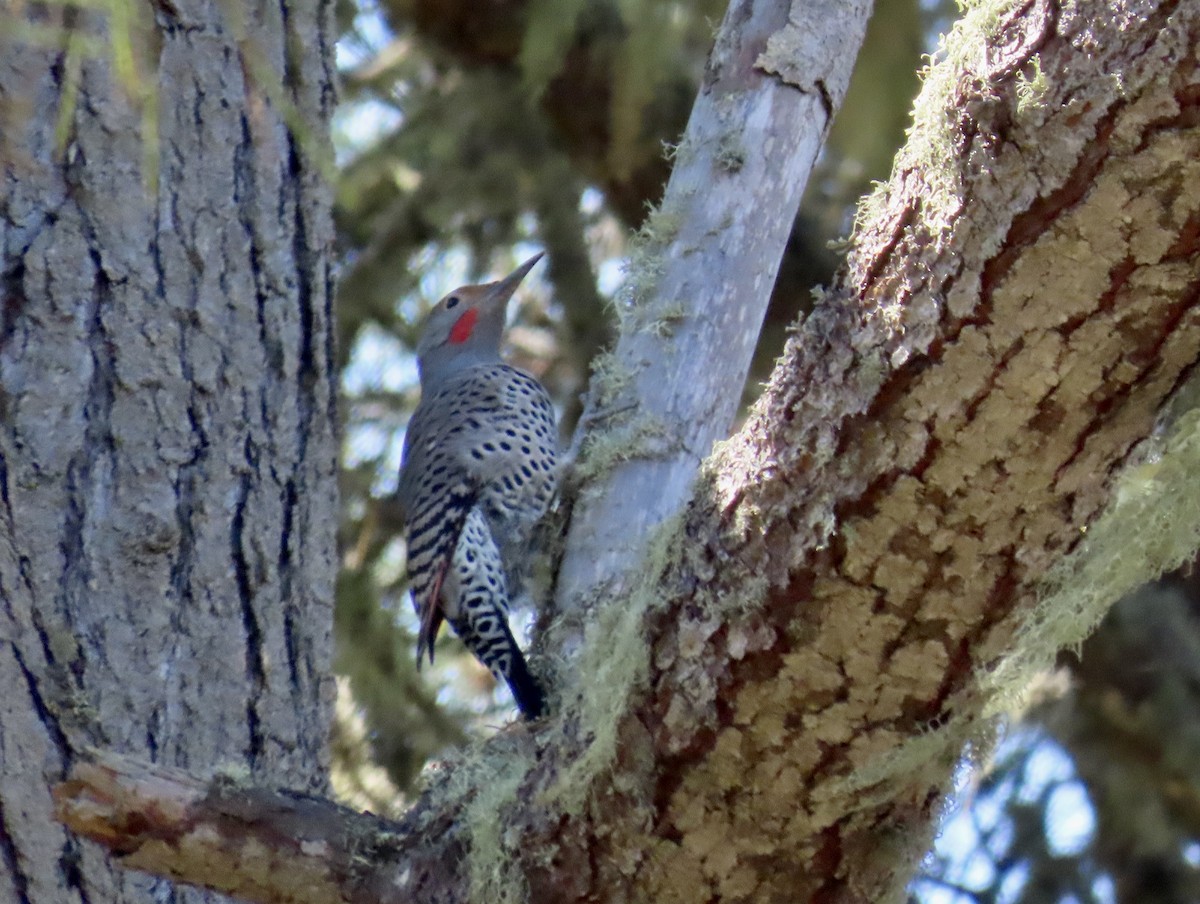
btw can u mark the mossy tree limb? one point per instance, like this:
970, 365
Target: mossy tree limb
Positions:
810, 643
862, 556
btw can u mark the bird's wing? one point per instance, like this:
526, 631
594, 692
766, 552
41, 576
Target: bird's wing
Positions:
432, 536
436, 492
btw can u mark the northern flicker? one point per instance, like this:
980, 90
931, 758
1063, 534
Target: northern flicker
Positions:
478, 474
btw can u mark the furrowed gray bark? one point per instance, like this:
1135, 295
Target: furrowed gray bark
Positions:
167, 501
700, 286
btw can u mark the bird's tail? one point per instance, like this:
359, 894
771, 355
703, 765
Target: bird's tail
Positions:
526, 689
492, 643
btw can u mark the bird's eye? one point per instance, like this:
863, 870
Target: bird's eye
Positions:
451, 302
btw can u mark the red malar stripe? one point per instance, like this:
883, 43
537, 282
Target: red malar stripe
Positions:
464, 326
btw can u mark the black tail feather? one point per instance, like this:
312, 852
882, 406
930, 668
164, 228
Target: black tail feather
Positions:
498, 650
526, 689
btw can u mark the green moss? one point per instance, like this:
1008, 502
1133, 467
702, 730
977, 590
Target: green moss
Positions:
645, 266
1031, 87
666, 320
640, 437
661, 225
731, 153
494, 871
232, 776
1152, 526
610, 379
870, 208
929, 148
615, 660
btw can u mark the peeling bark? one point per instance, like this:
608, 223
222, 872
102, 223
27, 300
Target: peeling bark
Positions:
256, 845
166, 426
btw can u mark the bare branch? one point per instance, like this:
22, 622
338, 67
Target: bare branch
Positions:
699, 285
261, 846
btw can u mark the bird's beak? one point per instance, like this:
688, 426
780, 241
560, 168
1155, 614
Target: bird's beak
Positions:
503, 290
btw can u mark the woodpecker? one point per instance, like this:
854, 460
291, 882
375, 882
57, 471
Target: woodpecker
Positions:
479, 471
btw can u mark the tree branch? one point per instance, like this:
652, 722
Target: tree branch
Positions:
700, 283
262, 846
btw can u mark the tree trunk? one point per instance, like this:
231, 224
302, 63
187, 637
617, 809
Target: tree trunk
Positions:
167, 502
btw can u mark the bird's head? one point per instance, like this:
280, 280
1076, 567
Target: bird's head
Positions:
465, 327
